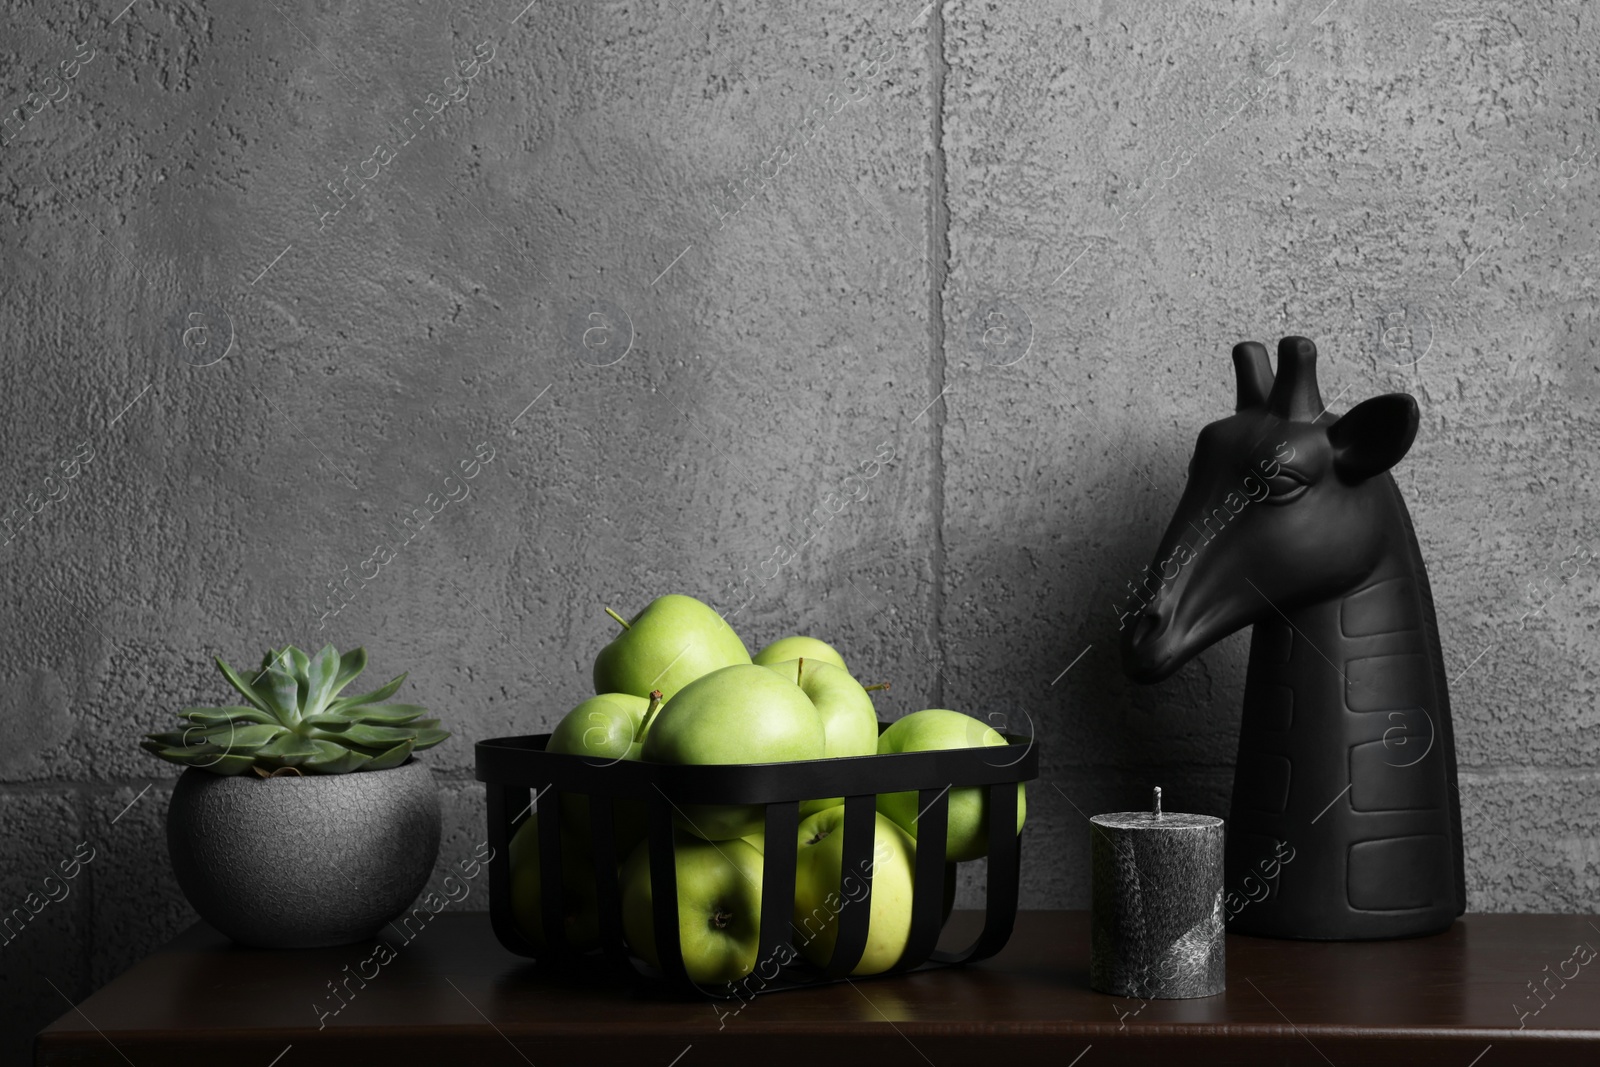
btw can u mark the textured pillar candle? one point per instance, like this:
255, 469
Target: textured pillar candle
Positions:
1158, 920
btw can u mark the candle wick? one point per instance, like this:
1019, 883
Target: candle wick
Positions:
1155, 803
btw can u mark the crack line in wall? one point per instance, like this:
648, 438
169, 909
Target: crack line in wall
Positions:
938, 271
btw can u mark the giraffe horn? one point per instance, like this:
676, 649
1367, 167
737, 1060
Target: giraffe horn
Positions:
1252, 373
1294, 392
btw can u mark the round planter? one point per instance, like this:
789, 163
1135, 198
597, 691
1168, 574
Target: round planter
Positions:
303, 862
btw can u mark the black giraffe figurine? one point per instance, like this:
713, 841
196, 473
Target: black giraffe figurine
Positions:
1346, 822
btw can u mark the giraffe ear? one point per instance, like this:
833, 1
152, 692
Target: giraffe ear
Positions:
1373, 436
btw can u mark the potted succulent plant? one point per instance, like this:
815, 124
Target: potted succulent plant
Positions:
303, 818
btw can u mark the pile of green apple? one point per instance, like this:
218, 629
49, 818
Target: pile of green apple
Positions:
678, 686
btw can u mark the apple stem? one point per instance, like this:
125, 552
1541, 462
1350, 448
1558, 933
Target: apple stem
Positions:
875, 688
649, 713
799, 669
620, 620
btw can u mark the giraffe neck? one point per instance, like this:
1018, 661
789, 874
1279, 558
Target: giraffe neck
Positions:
1377, 644
1367, 650
1346, 755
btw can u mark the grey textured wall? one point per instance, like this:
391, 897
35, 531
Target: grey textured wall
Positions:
686, 267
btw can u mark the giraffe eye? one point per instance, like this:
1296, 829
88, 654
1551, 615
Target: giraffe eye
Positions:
1285, 486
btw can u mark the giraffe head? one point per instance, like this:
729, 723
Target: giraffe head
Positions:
1285, 505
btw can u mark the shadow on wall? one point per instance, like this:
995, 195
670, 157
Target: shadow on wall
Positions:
1033, 622
1031, 629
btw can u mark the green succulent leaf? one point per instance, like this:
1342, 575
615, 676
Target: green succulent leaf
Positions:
294, 663
230, 765
385, 714
334, 758
231, 736
281, 658
351, 664
341, 720
328, 720
288, 749
246, 690
430, 737
383, 692
421, 724
322, 673
391, 758
165, 739
233, 713
206, 757
364, 734
282, 691
225, 736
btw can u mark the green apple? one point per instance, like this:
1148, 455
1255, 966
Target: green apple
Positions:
669, 644
719, 906
787, 648
607, 728
823, 890
581, 913
849, 721
938, 728
739, 714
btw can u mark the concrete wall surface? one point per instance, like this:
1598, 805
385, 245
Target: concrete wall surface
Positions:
271, 271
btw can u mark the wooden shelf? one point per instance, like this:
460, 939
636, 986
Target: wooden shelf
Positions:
453, 995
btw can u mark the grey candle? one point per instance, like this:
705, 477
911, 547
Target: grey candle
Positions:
1157, 923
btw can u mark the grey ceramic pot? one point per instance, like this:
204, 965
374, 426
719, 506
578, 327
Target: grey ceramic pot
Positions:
296, 862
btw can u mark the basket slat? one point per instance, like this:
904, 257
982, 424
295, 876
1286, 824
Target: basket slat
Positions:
552, 886
504, 804
855, 885
664, 893
927, 894
777, 887
1005, 866
608, 890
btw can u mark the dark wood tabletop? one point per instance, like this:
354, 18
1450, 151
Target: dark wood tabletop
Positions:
453, 995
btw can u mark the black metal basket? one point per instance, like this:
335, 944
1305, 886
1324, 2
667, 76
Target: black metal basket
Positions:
517, 771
